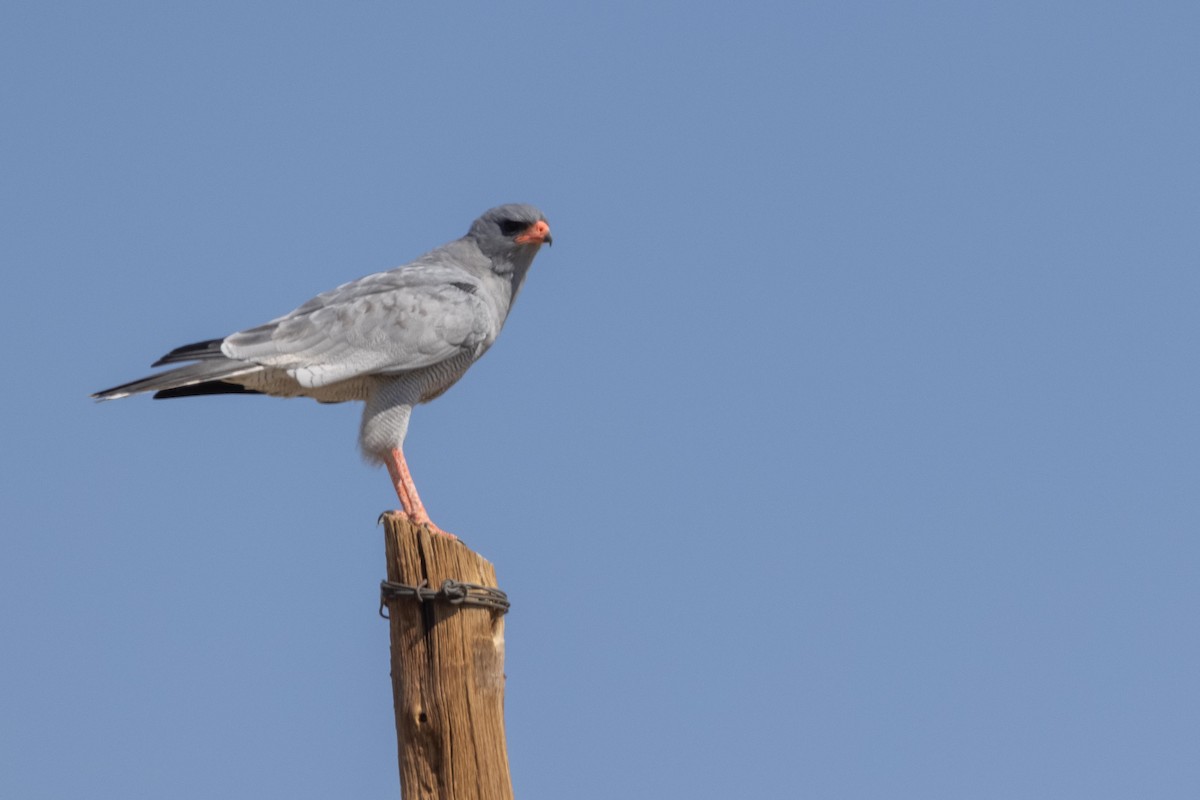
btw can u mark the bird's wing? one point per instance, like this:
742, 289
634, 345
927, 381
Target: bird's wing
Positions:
405, 319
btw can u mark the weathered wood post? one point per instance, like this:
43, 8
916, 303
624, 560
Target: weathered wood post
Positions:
447, 666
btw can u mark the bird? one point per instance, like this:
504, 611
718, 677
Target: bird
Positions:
390, 340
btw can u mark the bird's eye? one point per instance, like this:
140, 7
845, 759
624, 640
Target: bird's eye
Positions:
510, 227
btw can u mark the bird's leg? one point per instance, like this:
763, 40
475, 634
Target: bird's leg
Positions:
406, 490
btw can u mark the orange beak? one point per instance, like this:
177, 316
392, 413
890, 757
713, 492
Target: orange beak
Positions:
537, 233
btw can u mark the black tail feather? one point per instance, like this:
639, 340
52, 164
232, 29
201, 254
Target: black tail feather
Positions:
198, 389
197, 351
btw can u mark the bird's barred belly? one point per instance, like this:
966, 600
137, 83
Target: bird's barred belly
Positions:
441, 377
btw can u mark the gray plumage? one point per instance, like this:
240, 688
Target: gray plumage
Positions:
391, 340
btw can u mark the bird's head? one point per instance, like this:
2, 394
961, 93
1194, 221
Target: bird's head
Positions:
508, 232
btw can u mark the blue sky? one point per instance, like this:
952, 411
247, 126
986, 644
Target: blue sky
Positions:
844, 444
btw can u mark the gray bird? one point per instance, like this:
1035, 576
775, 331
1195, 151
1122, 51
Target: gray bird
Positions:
391, 340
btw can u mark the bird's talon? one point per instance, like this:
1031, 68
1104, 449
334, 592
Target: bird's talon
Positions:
428, 525
434, 529
425, 522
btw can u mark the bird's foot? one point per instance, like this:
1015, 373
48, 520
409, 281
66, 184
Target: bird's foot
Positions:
422, 520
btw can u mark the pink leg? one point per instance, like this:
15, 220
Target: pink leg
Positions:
406, 490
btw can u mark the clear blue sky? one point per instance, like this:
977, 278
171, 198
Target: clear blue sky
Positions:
845, 444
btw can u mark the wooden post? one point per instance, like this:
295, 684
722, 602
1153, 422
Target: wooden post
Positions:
447, 672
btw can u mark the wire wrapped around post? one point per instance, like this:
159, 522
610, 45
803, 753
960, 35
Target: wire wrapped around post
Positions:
456, 593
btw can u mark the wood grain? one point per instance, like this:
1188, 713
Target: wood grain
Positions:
447, 673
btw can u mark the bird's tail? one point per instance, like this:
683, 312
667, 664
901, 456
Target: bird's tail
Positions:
211, 365
208, 350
